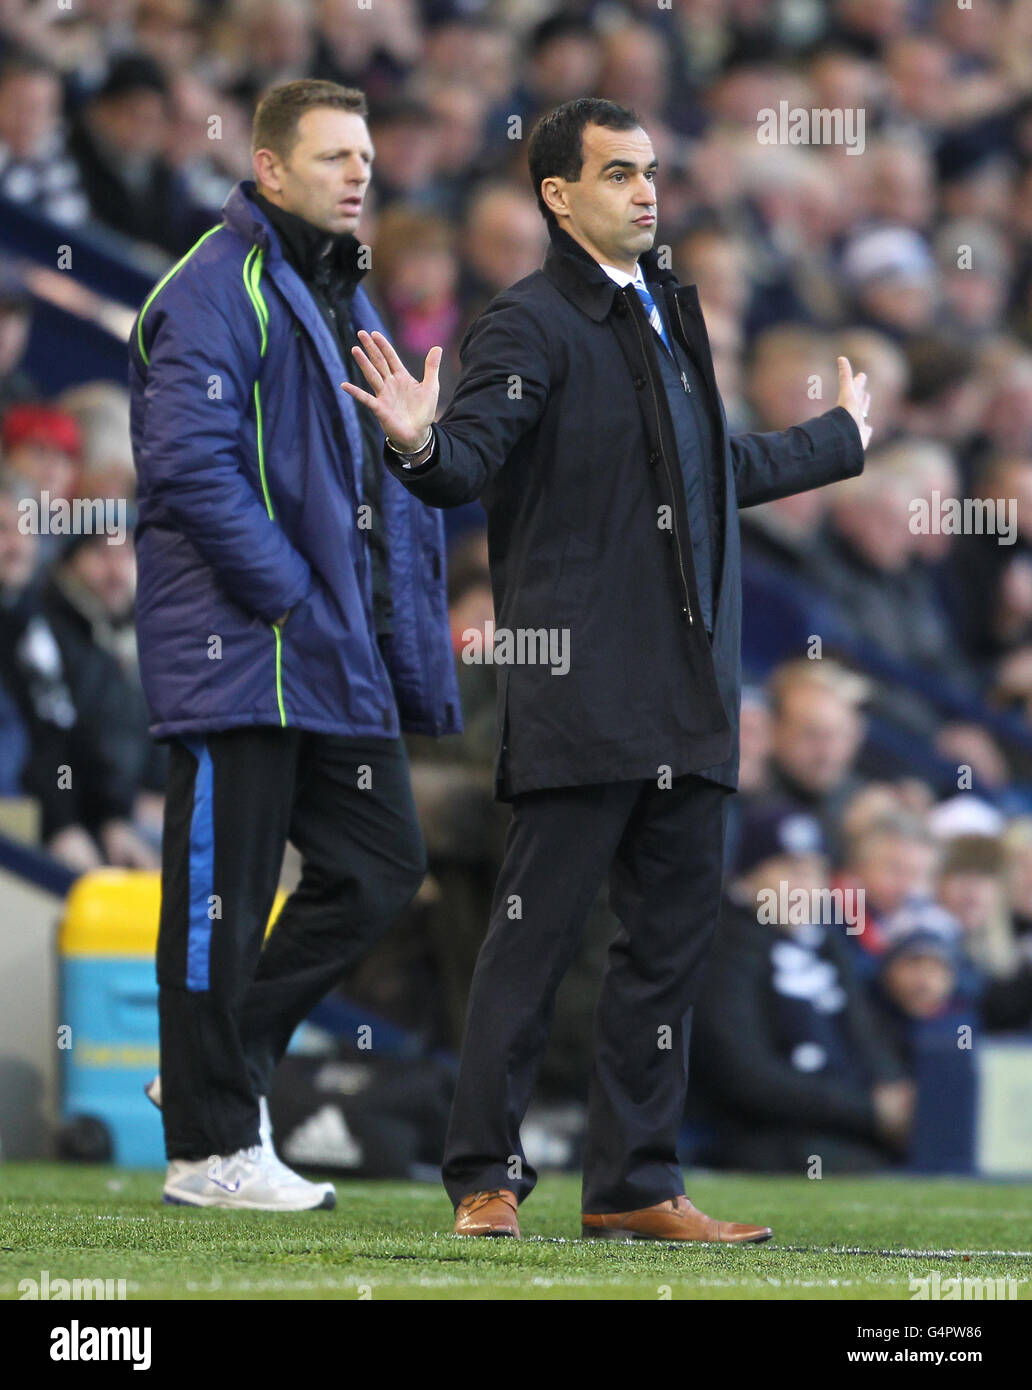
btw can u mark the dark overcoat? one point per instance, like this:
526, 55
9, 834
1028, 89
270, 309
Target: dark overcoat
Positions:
560, 424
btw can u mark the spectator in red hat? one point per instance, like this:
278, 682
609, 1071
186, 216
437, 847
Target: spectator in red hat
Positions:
42, 446
41, 451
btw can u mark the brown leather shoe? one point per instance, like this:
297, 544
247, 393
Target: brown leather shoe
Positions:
487, 1214
675, 1219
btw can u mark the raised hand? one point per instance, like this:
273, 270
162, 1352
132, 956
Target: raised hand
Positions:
404, 406
855, 397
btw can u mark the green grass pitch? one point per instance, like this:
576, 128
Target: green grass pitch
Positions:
836, 1238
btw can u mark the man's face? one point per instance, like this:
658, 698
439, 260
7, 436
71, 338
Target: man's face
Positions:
611, 209
815, 737
505, 238
30, 104
325, 176
921, 986
135, 122
971, 897
891, 869
565, 68
43, 467
108, 572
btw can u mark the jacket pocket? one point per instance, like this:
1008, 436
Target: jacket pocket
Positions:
297, 646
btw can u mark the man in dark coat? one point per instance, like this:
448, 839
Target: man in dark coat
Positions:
787, 1052
588, 420
117, 142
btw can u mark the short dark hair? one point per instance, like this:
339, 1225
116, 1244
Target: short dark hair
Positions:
556, 146
278, 113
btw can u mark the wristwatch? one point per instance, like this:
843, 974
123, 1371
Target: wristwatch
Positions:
411, 458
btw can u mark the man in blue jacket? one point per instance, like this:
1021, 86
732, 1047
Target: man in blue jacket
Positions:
587, 417
292, 621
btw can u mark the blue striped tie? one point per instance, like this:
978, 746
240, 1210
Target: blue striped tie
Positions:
655, 318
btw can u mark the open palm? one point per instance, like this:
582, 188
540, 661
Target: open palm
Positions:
404, 406
855, 397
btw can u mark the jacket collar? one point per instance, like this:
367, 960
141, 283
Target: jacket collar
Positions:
249, 219
317, 256
578, 276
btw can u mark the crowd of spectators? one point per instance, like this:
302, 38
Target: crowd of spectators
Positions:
911, 253
908, 940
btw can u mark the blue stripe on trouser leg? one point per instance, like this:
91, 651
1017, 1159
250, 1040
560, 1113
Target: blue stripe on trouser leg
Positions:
202, 870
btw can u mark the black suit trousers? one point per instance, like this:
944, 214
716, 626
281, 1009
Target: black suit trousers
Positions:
662, 848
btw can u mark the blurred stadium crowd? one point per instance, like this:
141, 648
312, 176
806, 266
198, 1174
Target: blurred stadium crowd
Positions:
894, 754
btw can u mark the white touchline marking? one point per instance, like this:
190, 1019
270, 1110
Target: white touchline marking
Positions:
901, 1254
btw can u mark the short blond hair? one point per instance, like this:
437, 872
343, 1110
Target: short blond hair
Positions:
825, 674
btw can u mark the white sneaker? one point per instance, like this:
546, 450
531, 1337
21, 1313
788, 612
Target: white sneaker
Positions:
272, 1159
244, 1180
320, 1196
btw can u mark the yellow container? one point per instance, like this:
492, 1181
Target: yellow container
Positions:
109, 1007
114, 912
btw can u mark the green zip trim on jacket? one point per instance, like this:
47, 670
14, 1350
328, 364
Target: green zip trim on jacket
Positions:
163, 282
261, 450
279, 676
252, 276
